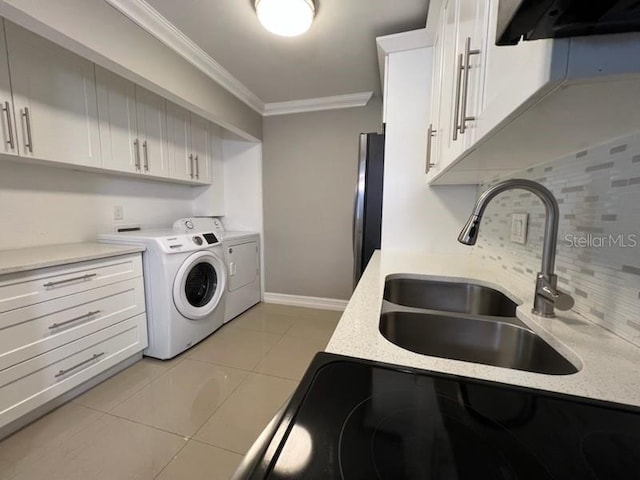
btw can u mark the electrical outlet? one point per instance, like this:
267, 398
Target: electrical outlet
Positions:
118, 212
519, 223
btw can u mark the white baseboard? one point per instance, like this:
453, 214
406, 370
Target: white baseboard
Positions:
308, 302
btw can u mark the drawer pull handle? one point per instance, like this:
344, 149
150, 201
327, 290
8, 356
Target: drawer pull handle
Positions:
74, 279
89, 360
86, 315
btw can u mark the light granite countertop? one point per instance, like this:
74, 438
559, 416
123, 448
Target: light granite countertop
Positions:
608, 365
24, 259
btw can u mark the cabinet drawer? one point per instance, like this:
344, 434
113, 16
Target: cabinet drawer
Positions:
30, 331
22, 289
32, 383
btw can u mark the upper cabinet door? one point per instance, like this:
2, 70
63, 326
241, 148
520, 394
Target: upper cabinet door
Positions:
8, 136
471, 43
117, 114
152, 132
55, 98
179, 132
449, 142
201, 148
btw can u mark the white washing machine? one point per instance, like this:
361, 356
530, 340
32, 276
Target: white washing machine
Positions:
242, 259
185, 282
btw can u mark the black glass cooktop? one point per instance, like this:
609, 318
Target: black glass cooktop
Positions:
358, 420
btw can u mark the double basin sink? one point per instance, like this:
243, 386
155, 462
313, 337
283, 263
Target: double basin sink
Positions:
464, 321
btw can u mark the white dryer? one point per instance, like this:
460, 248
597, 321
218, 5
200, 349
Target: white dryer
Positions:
185, 282
242, 259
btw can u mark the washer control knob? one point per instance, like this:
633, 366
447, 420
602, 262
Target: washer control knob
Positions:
197, 240
189, 224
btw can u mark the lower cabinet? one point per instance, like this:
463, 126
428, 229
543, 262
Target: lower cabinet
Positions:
64, 325
32, 383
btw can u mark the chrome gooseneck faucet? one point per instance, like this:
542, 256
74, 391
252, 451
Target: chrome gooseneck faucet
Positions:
547, 294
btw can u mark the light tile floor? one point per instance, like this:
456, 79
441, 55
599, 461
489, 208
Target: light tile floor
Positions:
191, 417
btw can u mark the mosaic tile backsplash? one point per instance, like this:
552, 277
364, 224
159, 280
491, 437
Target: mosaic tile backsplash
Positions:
598, 261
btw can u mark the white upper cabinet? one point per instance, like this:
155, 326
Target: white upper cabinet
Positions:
133, 126
180, 155
54, 94
152, 132
497, 110
471, 49
190, 145
7, 119
448, 87
201, 148
58, 107
458, 74
118, 123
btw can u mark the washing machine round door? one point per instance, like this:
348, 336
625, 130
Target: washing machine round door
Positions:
199, 285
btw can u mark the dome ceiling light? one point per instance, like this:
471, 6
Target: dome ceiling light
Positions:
287, 18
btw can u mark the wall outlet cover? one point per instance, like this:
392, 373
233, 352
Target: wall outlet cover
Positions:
118, 212
519, 223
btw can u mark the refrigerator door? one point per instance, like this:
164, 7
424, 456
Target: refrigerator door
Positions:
367, 217
358, 210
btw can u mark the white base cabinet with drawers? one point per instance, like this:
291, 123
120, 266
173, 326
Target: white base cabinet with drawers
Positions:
62, 326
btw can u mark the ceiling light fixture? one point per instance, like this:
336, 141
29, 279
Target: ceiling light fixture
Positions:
286, 17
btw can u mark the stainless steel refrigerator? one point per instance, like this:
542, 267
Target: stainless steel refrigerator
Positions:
367, 215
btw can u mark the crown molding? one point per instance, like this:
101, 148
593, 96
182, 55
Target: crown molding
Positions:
317, 104
400, 42
154, 23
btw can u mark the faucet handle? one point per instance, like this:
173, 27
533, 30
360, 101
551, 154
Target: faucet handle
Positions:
549, 296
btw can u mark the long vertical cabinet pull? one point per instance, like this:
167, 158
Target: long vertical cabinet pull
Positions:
456, 104
191, 165
27, 119
7, 112
197, 166
145, 149
430, 134
465, 85
136, 153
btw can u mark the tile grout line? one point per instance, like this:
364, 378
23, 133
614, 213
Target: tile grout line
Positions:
236, 388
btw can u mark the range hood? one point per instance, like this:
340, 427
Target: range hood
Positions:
535, 19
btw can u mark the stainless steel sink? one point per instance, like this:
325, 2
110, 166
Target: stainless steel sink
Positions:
486, 341
446, 296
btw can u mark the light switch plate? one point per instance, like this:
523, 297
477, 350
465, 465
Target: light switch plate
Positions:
519, 223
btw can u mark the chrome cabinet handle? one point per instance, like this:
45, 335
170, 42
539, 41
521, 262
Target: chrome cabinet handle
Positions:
430, 134
456, 107
67, 322
146, 156
191, 165
465, 85
136, 154
197, 166
74, 279
27, 119
81, 364
7, 111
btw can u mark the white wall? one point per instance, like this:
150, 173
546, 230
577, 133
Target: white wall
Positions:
43, 205
242, 163
242, 185
416, 217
